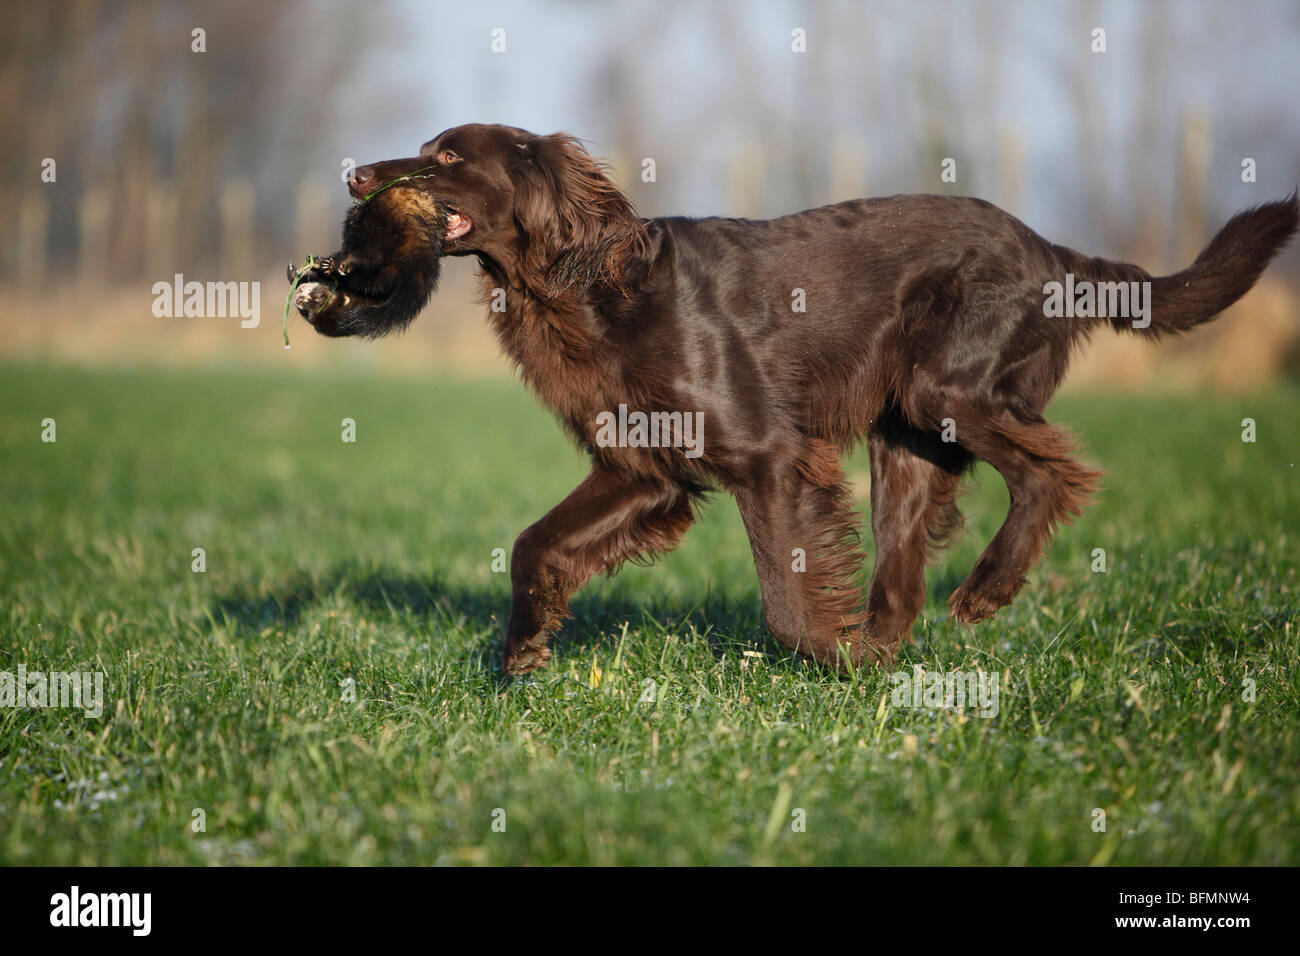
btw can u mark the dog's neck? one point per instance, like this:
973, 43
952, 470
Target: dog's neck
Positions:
557, 343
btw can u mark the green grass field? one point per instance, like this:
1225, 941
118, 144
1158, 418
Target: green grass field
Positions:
333, 566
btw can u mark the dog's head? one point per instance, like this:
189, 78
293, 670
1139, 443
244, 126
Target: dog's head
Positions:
539, 208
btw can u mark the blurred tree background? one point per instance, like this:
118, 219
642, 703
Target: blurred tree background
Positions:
159, 147
224, 162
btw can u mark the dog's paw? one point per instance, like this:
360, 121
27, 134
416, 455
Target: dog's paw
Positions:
527, 655
866, 649
971, 604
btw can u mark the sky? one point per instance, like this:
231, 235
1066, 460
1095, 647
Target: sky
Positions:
709, 79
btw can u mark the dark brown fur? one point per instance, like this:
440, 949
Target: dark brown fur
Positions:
385, 272
922, 313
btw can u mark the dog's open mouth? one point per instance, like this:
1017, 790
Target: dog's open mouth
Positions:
457, 223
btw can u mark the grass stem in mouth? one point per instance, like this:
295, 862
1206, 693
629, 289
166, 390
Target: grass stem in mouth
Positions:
306, 267
399, 179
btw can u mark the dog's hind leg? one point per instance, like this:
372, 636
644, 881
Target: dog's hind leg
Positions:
804, 535
608, 519
915, 480
1047, 487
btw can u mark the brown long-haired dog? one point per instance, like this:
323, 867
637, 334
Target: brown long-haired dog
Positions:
690, 354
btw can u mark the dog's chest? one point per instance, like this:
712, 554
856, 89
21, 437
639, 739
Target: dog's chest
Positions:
566, 366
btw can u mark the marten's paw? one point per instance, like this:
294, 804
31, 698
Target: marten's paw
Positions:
322, 268
339, 264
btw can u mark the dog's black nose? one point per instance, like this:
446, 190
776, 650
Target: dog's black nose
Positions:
360, 180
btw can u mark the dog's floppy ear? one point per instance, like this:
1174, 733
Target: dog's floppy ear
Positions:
577, 226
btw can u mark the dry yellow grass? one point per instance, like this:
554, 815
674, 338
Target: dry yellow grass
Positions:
79, 323
1247, 347
76, 322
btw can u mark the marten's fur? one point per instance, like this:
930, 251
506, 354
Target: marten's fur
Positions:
385, 272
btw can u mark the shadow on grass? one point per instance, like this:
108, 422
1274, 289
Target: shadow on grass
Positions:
596, 621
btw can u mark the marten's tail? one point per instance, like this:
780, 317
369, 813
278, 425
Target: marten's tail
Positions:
1221, 274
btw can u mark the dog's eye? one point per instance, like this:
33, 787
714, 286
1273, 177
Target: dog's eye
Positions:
447, 157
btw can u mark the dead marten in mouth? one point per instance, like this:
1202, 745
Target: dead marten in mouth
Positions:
385, 272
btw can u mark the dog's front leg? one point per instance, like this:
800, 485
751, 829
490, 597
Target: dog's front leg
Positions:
606, 520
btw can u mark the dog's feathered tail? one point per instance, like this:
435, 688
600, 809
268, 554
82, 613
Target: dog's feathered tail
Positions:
1223, 272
